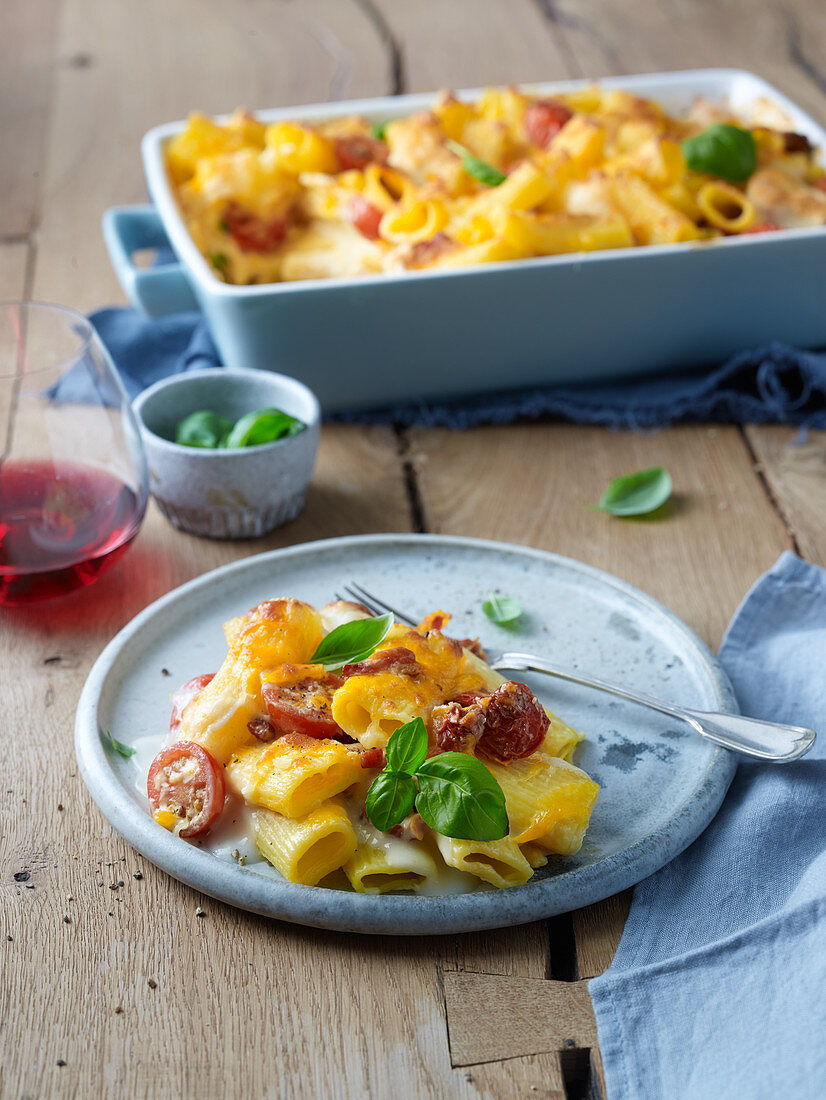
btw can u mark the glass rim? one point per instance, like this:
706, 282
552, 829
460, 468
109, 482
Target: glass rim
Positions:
85, 337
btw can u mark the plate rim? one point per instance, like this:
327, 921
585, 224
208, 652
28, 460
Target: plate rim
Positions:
389, 914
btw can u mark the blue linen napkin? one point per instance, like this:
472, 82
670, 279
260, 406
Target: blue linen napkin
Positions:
718, 989
773, 384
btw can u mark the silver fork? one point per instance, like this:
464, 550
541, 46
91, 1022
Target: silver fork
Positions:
752, 737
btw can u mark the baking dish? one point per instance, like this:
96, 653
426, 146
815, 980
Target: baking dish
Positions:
380, 339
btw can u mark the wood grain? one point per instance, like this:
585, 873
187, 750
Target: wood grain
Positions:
793, 464
181, 56
28, 31
522, 1016
478, 42
685, 559
782, 40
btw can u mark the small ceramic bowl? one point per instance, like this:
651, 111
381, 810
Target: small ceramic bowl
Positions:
228, 494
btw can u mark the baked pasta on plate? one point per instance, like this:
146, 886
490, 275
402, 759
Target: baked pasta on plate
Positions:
356, 752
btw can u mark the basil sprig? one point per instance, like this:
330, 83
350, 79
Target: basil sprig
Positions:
390, 799
722, 150
119, 747
350, 642
455, 793
637, 494
204, 428
502, 609
263, 426
479, 169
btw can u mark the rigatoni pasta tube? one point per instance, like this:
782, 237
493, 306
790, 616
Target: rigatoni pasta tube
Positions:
499, 862
726, 207
546, 798
390, 864
293, 774
307, 849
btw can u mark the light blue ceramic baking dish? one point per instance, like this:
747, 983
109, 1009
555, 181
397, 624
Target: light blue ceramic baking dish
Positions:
380, 339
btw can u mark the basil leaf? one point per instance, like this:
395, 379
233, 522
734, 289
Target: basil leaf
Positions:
219, 261
379, 130
390, 799
263, 426
479, 169
722, 150
502, 609
118, 746
202, 429
637, 494
350, 642
407, 748
459, 797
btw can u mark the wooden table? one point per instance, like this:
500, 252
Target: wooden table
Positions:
134, 995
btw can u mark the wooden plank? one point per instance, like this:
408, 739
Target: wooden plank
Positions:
794, 467
27, 61
598, 929
467, 43
783, 42
522, 1016
209, 56
467, 485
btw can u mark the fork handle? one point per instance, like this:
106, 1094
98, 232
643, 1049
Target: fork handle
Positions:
749, 736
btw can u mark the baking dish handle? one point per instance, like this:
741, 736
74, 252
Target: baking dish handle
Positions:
153, 290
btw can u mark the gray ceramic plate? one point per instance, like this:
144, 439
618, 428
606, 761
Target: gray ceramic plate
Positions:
660, 783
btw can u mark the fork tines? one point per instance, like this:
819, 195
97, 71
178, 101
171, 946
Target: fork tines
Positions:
373, 603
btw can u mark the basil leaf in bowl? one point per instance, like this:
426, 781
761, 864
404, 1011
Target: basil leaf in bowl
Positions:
263, 426
204, 428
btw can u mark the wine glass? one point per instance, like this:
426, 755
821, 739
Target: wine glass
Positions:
73, 478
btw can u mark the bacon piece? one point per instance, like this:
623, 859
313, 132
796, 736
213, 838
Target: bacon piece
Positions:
261, 728
475, 646
459, 725
373, 758
358, 152
796, 143
399, 660
412, 829
506, 725
436, 620
424, 253
254, 234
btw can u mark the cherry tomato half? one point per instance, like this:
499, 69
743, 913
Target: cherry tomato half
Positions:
304, 707
358, 152
365, 217
543, 120
185, 694
186, 780
254, 234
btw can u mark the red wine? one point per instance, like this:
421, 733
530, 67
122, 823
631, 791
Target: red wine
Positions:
61, 525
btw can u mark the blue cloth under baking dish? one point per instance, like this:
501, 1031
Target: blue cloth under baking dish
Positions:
718, 989
773, 384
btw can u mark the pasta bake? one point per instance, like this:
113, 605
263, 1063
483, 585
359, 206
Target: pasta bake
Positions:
319, 769
507, 176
